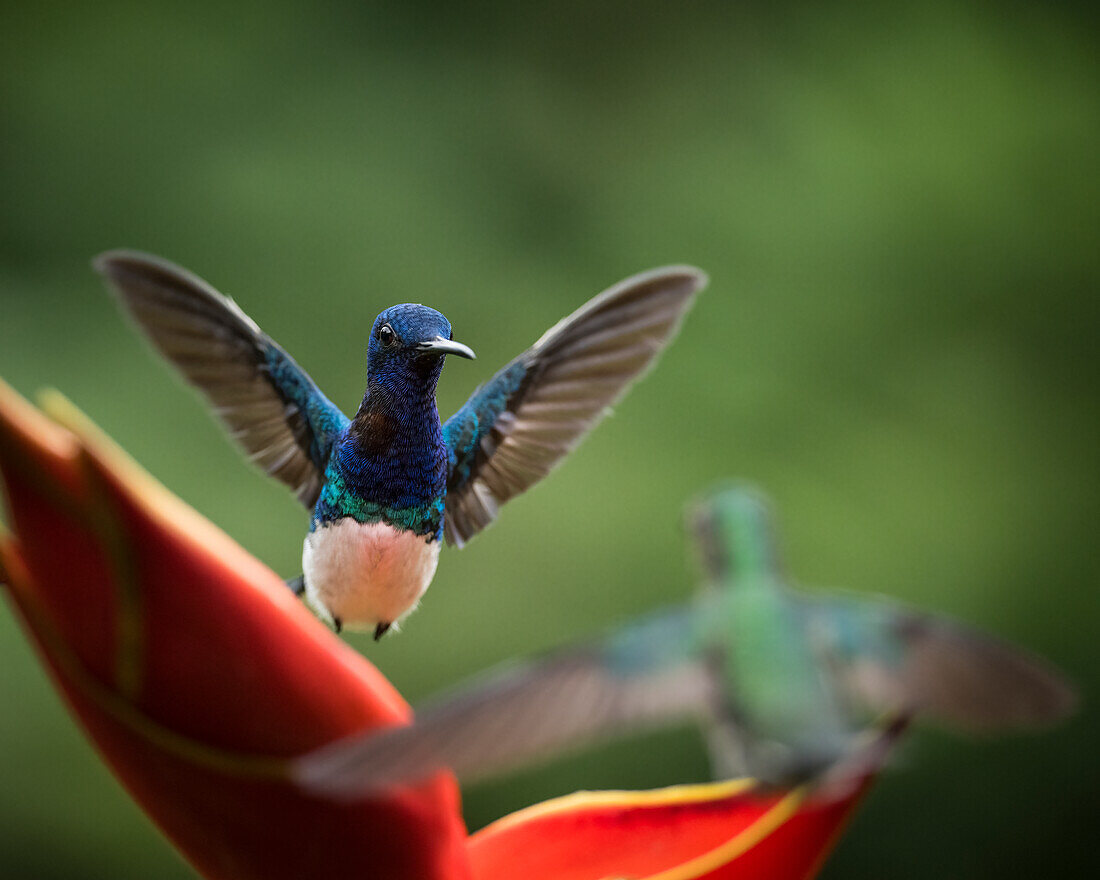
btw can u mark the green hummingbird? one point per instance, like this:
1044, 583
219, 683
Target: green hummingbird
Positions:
785, 682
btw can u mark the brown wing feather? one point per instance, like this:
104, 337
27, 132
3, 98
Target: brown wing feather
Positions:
523, 715
957, 676
222, 352
572, 375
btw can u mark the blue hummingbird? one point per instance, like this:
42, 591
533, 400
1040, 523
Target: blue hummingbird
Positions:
386, 486
784, 682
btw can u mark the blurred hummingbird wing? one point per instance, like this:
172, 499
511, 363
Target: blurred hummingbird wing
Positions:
515, 429
519, 715
892, 659
270, 405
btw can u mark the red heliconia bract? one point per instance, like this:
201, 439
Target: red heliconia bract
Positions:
198, 675
731, 831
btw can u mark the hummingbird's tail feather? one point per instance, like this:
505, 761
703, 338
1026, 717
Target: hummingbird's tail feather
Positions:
870, 750
297, 585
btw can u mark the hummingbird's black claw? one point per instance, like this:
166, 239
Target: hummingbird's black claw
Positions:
380, 630
337, 624
297, 585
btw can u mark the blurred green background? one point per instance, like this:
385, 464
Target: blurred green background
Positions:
898, 208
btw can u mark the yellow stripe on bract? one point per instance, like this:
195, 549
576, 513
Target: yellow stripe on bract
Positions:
23, 429
143, 485
737, 845
583, 800
840, 828
24, 418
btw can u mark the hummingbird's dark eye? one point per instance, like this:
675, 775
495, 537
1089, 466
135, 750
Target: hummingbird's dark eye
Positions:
386, 335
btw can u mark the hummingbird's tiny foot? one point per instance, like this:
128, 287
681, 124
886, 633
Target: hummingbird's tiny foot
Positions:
297, 585
380, 630
337, 624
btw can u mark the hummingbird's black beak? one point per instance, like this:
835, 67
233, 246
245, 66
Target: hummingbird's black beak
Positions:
442, 346
380, 630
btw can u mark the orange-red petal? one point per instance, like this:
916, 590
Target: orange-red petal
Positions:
730, 830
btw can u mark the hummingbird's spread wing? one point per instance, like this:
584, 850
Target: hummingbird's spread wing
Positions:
890, 658
270, 405
521, 715
515, 429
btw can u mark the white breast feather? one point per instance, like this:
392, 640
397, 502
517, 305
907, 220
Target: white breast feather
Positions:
366, 574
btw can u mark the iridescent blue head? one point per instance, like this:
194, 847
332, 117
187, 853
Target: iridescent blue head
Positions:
407, 344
